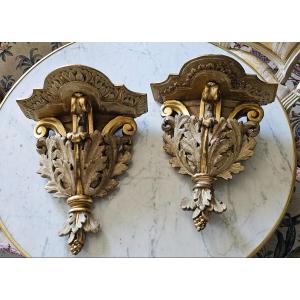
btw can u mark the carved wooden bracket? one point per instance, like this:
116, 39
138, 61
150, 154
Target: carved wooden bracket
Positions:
78, 113
202, 109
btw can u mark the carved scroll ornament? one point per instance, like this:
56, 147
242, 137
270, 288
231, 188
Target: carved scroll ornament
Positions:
202, 109
78, 113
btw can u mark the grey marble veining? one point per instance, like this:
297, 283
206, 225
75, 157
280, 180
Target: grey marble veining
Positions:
143, 217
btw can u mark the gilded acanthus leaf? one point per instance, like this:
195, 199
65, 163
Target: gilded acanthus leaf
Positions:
122, 164
247, 148
57, 165
227, 146
234, 168
101, 160
93, 162
168, 145
79, 221
183, 143
174, 162
118, 155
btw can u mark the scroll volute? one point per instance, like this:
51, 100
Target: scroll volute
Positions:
79, 115
204, 134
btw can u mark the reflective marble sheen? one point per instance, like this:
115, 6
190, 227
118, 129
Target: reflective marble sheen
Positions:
142, 218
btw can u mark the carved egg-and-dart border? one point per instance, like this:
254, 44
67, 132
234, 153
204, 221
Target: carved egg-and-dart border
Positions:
202, 108
78, 113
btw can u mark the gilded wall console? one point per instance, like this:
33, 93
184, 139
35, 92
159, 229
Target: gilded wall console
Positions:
211, 113
84, 135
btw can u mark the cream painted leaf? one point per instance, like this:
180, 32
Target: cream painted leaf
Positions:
57, 165
174, 162
122, 164
93, 161
234, 168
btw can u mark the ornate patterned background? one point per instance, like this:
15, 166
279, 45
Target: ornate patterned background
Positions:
17, 58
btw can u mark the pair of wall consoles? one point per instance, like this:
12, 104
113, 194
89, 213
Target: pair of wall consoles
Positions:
79, 111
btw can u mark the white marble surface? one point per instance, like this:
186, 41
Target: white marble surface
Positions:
143, 217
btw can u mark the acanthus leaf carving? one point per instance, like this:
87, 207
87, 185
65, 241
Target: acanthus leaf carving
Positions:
228, 145
102, 159
57, 165
229, 142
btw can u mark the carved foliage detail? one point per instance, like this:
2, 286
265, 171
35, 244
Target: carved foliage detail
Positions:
77, 74
57, 165
76, 227
102, 159
227, 142
235, 75
228, 145
96, 79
